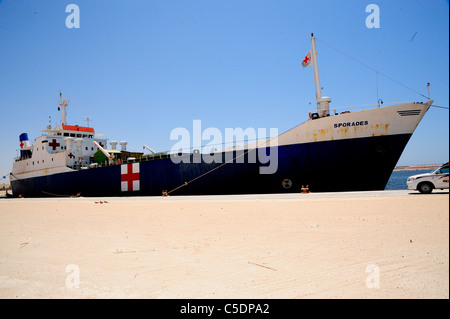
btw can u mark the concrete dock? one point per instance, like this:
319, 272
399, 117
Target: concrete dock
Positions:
387, 244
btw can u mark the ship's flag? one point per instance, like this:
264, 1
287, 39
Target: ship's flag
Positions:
307, 61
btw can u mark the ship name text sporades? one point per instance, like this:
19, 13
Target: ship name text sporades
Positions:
347, 124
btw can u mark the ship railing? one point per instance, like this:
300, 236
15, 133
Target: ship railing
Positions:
347, 109
153, 157
218, 148
21, 158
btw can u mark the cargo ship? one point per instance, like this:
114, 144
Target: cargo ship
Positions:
351, 150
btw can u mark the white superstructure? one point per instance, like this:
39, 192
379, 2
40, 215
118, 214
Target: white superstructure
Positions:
62, 149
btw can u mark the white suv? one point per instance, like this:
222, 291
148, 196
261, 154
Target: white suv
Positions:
425, 183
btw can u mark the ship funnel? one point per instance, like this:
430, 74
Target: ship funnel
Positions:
113, 144
24, 142
123, 145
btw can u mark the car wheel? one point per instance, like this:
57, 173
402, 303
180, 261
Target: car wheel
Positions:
425, 188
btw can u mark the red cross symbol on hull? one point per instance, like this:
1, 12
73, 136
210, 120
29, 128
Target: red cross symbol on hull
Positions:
129, 178
71, 155
53, 144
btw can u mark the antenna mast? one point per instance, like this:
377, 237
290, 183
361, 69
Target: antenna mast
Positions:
63, 103
88, 119
323, 102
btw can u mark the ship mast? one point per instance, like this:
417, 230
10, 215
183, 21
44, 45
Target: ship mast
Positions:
63, 103
323, 107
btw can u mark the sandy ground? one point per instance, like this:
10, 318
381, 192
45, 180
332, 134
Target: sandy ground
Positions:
362, 245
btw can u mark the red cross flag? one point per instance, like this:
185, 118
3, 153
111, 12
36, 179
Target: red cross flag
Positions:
307, 61
129, 177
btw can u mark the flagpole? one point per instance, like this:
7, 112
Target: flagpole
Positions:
316, 68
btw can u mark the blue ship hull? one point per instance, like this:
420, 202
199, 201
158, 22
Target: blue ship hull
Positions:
360, 164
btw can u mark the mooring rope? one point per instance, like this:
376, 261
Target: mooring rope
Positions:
38, 190
220, 166
441, 107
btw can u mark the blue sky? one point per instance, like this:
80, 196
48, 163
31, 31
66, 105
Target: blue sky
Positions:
143, 68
